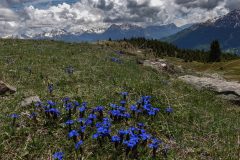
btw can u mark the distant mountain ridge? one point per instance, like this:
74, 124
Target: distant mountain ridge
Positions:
115, 32
226, 29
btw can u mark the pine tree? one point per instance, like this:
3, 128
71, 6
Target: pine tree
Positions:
215, 52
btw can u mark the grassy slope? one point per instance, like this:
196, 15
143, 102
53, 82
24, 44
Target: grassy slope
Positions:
229, 70
202, 126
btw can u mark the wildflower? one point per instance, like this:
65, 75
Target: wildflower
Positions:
14, 116
69, 70
124, 94
144, 136
154, 145
88, 122
38, 104
113, 106
123, 103
58, 155
50, 88
82, 111
116, 140
78, 144
92, 116
69, 122
140, 125
66, 100
95, 136
169, 110
133, 108
51, 103
76, 103
54, 112
117, 60
69, 107
73, 134
33, 115
81, 121
82, 129
99, 108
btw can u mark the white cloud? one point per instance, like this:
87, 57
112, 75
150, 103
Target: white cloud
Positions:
98, 13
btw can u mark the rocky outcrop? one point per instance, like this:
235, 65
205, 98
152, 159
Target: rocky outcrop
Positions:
30, 100
227, 90
6, 88
162, 65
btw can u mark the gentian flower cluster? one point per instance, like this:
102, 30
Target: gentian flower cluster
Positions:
83, 122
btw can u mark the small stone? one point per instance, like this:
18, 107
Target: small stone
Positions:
30, 100
5, 88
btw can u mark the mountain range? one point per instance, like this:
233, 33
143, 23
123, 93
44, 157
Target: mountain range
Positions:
225, 29
115, 32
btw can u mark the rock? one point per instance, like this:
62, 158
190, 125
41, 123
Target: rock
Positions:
225, 89
5, 88
30, 100
160, 65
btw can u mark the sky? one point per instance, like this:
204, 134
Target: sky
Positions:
36, 16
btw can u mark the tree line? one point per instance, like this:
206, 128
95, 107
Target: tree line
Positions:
161, 49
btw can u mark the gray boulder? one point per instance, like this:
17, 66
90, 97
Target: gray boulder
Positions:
30, 100
226, 89
6, 88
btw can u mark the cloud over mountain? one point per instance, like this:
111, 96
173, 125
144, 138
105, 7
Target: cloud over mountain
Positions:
34, 16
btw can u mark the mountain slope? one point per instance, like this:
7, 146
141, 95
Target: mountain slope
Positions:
116, 32
226, 29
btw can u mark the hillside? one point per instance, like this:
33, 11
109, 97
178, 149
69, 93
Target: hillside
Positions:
96, 74
225, 29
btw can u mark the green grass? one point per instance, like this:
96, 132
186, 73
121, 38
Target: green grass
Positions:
201, 127
229, 69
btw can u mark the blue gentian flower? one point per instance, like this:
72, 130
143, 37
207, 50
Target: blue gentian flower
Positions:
151, 113
92, 116
76, 103
117, 60
88, 122
123, 102
66, 99
33, 115
133, 108
95, 136
82, 109
38, 104
140, 125
68, 106
124, 93
69, 122
115, 139
54, 111
78, 144
169, 109
81, 120
58, 155
50, 88
145, 136
82, 129
113, 105
155, 143
51, 103
99, 108
73, 133
14, 116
